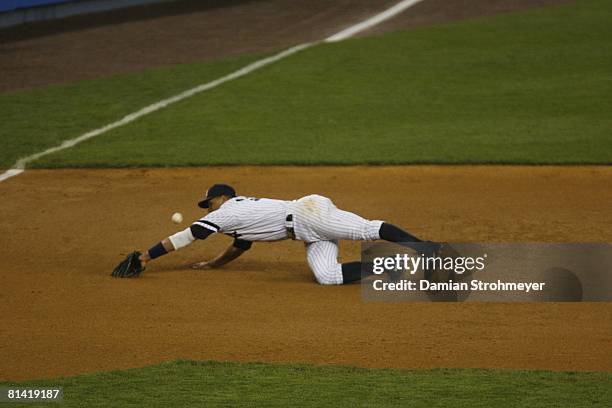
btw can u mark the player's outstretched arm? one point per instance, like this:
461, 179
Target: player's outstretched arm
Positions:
167, 246
172, 243
231, 253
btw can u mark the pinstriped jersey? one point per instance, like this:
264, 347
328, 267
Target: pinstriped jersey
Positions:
249, 219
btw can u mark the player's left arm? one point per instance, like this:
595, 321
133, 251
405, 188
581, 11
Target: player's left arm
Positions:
232, 252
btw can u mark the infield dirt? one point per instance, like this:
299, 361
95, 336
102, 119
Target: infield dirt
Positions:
64, 230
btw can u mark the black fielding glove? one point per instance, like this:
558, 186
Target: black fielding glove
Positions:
130, 267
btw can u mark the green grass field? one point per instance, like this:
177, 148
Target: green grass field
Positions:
190, 383
528, 87
34, 120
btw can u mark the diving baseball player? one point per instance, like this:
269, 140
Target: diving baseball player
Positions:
313, 219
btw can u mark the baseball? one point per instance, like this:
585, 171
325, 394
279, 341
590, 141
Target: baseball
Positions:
177, 218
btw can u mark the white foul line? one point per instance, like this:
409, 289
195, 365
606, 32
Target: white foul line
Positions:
20, 165
10, 173
372, 21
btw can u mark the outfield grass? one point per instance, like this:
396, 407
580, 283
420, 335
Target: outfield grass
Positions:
190, 383
34, 120
528, 87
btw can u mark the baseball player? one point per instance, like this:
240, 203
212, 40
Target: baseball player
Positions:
313, 219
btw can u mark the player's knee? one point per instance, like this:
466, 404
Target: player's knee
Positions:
326, 280
329, 274
371, 230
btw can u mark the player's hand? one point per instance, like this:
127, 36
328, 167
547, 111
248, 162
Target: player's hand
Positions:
144, 258
202, 265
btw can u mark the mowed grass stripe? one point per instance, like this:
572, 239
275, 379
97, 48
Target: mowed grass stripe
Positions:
530, 87
190, 383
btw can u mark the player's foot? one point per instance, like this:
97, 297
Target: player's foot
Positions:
430, 250
396, 275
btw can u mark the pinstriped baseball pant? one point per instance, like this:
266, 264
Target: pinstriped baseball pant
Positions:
321, 224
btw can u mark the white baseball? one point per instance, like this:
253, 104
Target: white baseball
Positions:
177, 218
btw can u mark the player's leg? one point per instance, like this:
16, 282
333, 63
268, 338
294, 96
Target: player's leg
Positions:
352, 272
340, 224
322, 258
393, 233
329, 223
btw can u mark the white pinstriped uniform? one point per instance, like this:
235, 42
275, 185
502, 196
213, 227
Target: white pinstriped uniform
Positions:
316, 221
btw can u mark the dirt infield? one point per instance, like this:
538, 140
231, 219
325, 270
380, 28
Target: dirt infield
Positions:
186, 31
63, 231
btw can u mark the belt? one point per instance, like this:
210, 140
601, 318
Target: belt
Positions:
289, 226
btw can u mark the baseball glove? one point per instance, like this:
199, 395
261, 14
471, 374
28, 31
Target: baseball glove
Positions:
130, 267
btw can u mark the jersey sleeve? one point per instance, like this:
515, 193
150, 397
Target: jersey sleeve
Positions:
199, 232
217, 221
242, 244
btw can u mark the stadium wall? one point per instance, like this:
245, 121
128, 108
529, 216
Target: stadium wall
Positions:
16, 12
